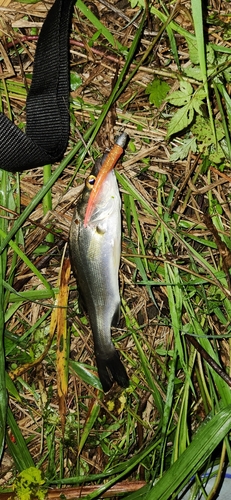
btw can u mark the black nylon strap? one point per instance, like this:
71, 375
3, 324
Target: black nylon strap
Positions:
47, 106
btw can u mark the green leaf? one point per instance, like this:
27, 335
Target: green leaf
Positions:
200, 94
181, 97
75, 81
186, 87
178, 98
197, 100
84, 373
181, 119
193, 72
157, 91
216, 154
30, 483
210, 55
193, 50
204, 135
181, 152
134, 3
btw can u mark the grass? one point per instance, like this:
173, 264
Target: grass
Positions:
173, 422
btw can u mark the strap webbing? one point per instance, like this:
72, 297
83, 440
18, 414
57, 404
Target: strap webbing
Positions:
47, 106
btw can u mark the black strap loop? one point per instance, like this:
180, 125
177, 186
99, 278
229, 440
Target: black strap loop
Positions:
47, 106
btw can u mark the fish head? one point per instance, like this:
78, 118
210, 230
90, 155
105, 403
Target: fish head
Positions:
107, 201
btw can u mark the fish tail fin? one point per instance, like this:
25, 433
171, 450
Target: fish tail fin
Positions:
111, 369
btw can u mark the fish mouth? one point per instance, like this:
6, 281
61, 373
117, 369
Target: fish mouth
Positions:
108, 165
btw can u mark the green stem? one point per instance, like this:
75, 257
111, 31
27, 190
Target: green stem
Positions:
47, 200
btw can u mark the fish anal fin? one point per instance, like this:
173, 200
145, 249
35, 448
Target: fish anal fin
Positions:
116, 316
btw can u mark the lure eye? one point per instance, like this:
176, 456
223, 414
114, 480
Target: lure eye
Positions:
90, 181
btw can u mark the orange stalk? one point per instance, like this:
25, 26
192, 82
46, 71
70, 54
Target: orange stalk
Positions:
109, 163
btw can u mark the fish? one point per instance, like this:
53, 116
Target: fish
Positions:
95, 251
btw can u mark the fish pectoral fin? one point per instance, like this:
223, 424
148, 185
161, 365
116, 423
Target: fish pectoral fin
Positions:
111, 369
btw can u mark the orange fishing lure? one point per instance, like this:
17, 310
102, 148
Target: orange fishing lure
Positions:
109, 163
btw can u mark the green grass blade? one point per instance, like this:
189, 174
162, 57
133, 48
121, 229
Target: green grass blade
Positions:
92, 415
197, 12
138, 229
218, 86
175, 306
168, 408
173, 45
140, 267
3, 264
27, 261
99, 26
207, 438
12, 391
31, 295
85, 374
173, 25
47, 200
131, 323
223, 388
119, 471
126, 467
17, 447
3, 396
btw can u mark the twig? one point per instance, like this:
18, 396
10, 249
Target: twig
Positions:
209, 359
83, 491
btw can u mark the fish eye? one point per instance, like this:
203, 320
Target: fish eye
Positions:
90, 181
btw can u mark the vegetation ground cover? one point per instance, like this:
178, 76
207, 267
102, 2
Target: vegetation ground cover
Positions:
161, 72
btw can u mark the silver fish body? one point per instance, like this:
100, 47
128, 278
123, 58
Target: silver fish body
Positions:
95, 257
